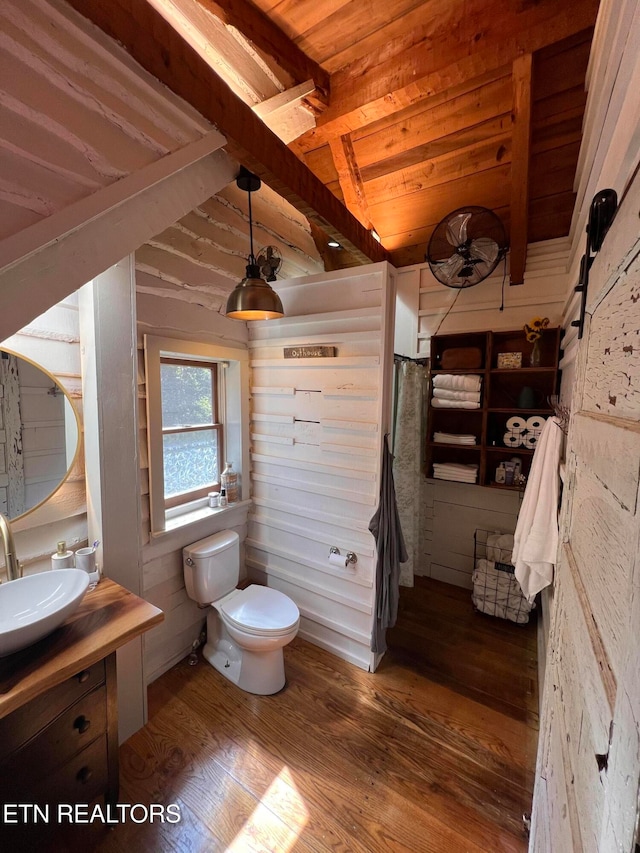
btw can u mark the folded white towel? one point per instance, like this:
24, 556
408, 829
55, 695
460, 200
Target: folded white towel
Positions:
457, 467
437, 403
443, 436
460, 478
447, 394
457, 381
454, 442
454, 439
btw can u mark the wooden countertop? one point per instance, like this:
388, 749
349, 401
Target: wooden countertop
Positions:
108, 617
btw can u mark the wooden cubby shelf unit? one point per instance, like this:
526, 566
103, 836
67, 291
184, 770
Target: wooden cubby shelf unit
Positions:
500, 392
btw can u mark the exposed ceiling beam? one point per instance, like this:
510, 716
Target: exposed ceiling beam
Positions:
285, 100
361, 96
350, 179
520, 157
285, 114
265, 35
156, 46
251, 76
57, 255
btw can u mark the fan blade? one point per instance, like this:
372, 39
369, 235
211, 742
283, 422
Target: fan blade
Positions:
448, 270
457, 229
484, 248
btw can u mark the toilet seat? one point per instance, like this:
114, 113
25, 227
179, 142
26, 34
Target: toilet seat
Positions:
260, 611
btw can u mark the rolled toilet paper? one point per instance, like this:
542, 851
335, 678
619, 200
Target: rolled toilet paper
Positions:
530, 440
535, 422
516, 424
513, 439
338, 560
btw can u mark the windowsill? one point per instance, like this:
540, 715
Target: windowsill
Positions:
183, 516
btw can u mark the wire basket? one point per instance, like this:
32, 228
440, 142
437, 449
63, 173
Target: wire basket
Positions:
495, 588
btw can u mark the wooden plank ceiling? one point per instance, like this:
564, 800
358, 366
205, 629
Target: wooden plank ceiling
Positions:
425, 110
419, 107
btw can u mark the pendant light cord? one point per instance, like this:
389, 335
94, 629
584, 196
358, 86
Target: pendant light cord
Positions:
252, 259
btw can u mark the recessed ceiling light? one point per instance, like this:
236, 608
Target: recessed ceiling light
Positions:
333, 244
375, 235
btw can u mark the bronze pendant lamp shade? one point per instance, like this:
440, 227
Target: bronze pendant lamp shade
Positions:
253, 298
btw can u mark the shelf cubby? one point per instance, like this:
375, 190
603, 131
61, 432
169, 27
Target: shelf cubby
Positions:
500, 393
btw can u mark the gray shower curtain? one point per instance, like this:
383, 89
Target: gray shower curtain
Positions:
409, 436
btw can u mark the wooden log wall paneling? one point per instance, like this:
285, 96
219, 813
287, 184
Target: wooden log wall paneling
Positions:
53, 341
316, 437
589, 756
77, 114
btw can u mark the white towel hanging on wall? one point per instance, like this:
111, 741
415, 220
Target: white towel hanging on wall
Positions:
536, 536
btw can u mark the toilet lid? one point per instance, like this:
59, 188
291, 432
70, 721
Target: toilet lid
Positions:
260, 610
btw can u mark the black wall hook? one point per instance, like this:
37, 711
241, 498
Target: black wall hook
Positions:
601, 214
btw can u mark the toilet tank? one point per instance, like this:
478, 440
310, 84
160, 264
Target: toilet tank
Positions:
212, 566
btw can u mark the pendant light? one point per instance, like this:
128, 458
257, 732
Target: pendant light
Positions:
253, 298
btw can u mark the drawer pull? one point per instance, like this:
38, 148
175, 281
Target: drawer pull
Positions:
84, 774
81, 723
83, 676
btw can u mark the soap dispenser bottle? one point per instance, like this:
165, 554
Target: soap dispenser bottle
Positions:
62, 559
229, 483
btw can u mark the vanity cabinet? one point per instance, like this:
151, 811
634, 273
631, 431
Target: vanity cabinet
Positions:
62, 747
58, 708
501, 398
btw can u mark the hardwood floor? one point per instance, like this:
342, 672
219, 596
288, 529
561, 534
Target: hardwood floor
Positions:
434, 752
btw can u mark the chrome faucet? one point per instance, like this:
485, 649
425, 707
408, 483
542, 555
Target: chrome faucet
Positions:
14, 570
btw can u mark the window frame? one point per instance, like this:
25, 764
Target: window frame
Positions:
233, 401
215, 426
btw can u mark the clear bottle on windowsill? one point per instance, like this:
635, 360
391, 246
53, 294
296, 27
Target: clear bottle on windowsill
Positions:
229, 482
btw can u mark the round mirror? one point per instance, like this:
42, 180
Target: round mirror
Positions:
39, 435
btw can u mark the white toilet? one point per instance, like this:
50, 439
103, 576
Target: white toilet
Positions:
246, 628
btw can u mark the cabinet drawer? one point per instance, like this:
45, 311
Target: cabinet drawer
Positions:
69, 733
80, 780
20, 726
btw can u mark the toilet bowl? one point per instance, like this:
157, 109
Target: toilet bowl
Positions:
247, 629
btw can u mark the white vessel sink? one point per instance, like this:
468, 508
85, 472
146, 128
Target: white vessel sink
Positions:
32, 607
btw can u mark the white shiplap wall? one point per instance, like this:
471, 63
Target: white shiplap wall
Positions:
452, 511
316, 437
183, 278
424, 302
163, 580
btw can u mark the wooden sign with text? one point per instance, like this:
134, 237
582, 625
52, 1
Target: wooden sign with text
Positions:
309, 351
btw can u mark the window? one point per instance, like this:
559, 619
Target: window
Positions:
197, 417
191, 430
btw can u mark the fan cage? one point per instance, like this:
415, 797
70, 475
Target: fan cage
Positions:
269, 261
483, 224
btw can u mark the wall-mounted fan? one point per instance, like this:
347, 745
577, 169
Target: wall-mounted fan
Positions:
269, 261
466, 246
